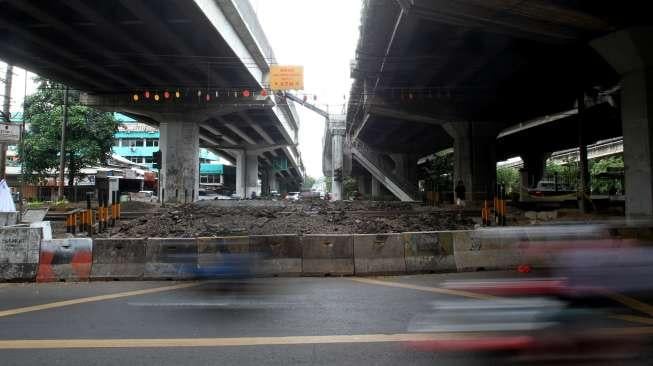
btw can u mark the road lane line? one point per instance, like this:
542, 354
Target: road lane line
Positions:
84, 300
437, 290
630, 302
269, 341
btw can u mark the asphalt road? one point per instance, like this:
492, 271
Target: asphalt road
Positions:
316, 321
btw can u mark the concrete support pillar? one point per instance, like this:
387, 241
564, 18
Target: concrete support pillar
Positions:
533, 171
629, 52
179, 176
363, 184
376, 188
534, 165
337, 140
273, 181
241, 165
475, 159
251, 180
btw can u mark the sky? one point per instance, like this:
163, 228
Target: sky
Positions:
320, 35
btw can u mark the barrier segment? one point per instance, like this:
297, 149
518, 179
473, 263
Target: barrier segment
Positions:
19, 253
327, 255
65, 259
487, 250
224, 257
170, 258
429, 252
379, 254
118, 259
277, 254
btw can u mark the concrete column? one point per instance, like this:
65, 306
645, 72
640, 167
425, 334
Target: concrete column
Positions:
179, 176
337, 140
475, 159
375, 188
534, 165
363, 185
241, 166
629, 52
251, 180
273, 181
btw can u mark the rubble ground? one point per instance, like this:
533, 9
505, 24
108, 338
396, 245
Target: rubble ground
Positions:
258, 217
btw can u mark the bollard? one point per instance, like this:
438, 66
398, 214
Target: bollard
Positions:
101, 218
73, 223
110, 215
68, 223
89, 215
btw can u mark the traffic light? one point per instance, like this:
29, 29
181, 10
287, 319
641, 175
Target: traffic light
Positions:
156, 158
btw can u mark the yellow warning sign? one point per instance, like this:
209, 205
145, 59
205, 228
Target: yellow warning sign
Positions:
284, 77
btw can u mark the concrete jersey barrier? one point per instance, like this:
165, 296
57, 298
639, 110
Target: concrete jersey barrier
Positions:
65, 260
379, 254
122, 259
23, 258
327, 255
431, 252
19, 253
170, 258
277, 254
224, 257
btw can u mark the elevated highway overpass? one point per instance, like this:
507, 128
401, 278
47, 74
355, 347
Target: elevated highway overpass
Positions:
198, 68
431, 75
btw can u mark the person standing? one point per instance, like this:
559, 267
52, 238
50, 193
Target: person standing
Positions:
460, 193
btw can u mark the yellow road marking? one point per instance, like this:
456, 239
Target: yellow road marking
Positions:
267, 341
633, 319
437, 290
84, 300
630, 302
214, 342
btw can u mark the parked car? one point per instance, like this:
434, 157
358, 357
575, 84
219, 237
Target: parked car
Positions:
293, 196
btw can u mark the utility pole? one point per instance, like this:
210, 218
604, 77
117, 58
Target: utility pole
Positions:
62, 153
5, 109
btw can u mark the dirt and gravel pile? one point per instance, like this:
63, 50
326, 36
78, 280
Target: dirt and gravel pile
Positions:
226, 218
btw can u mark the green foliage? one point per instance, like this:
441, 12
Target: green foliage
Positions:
596, 167
35, 204
308, 182
328, 183
349, 186
89, 135
63, 203
509, 177
440, 173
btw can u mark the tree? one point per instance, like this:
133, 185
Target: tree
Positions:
509, 178
604, 165
308, 182
440, 173
349, 186
89, 134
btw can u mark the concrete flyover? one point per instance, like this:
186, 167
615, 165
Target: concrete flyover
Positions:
435, 75
213, 52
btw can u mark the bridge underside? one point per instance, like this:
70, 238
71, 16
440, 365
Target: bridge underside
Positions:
114, 49
431, 75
